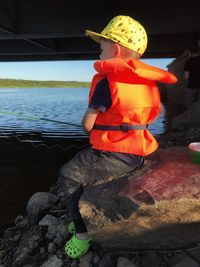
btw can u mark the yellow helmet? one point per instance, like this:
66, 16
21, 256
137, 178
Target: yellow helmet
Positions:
125, 31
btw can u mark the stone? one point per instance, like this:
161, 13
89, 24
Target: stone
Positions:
51, 248
151, 259
29, 242
42, 250
147, 209
187, 262
48, 220
21, 257
96, 259
40, 202
85, 264
190, 118
61, 254
176, 258
124, 262
16, 237
86, 259
59, 241
57, 230
106, 261
75, 263
18, 219
23, 223
53, 262
194, 253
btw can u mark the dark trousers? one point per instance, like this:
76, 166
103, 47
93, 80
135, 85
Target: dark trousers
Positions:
89, 167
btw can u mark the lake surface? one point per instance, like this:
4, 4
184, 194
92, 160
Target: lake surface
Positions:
17, 106
32, 150
60, 104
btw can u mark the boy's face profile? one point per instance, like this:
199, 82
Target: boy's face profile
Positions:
107, 49
110, 49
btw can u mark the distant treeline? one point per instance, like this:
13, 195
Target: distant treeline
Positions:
13, 83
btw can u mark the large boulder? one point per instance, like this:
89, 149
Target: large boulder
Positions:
190, 118
157, 207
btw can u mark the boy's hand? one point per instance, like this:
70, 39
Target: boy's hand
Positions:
89, 119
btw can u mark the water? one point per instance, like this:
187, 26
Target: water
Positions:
33, 150
58, 104
61, 104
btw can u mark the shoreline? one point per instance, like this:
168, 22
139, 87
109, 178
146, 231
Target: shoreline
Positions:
14, 83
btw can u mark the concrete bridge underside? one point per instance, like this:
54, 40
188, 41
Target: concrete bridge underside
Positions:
55, 29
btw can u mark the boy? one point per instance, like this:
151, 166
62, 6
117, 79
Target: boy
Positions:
123, 100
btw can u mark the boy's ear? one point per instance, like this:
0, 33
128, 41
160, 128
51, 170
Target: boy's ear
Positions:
117, 50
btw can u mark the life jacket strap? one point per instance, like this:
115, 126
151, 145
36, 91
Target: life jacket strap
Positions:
125, 127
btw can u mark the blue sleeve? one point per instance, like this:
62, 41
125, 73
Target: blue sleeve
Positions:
101, 98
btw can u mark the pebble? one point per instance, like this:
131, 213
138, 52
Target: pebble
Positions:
53, 262
124, 262
187, 262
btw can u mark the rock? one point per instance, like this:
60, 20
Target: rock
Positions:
16, 237
51, 248
48, 220
18, 219
190, 118
75, 263
124, 262
59, 240
194, 253
147, 209
106, 261
21, 256
176, 258
187, 262
40, 202
42, 250
96, 259
151, 259
85, 264
61, 254
53, 262
23, 223
86, 259
30, 241
57, 230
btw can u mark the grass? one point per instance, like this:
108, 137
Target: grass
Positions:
14, 83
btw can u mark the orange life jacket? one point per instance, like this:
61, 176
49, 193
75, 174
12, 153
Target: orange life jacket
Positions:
135, 101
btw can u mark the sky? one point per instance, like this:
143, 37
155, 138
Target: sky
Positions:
60, 70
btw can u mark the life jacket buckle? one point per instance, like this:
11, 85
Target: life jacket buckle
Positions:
125, 127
